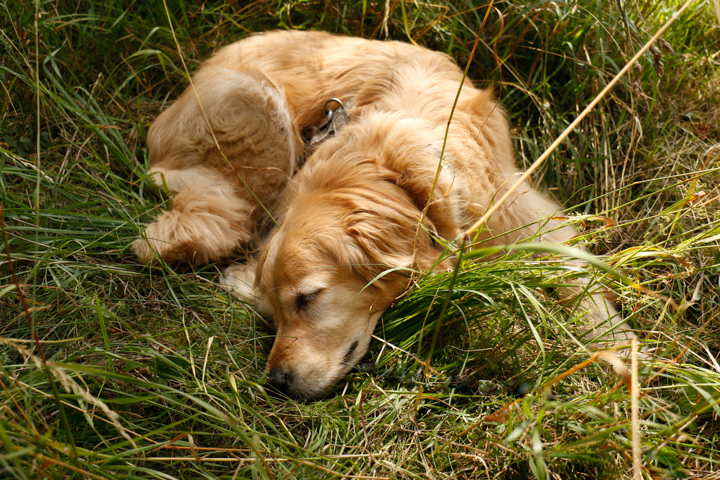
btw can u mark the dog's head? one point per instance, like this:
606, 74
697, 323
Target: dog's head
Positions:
339, 259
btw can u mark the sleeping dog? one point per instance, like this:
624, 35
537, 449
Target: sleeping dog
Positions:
229, 150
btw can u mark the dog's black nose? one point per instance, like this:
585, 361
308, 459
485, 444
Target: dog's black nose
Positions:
280, 379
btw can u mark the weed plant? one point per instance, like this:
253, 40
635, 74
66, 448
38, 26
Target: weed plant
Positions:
111, 369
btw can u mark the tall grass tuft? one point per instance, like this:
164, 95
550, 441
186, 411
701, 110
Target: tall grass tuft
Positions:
116, 370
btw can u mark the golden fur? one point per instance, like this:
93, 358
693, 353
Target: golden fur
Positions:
352, 211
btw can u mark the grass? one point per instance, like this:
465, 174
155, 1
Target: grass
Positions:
157, 373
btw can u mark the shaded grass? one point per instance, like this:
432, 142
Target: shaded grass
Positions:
160, 373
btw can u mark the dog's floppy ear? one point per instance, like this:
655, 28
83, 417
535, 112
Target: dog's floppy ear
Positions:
379, 238
385, 234
412, 161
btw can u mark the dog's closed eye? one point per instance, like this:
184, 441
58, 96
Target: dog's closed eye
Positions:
303, 300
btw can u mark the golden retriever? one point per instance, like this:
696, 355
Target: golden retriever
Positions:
228, 151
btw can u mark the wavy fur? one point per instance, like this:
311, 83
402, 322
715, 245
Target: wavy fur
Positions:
352, 211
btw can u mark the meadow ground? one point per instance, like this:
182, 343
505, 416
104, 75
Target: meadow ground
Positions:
127, 371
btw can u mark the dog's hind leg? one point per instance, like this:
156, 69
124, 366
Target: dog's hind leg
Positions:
529, 214
208, 220
225, 150
601, 319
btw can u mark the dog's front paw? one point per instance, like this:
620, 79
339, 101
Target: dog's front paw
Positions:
240, 280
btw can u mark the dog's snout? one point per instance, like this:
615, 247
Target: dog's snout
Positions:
280, 379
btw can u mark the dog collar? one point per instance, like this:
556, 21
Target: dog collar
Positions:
313, 135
